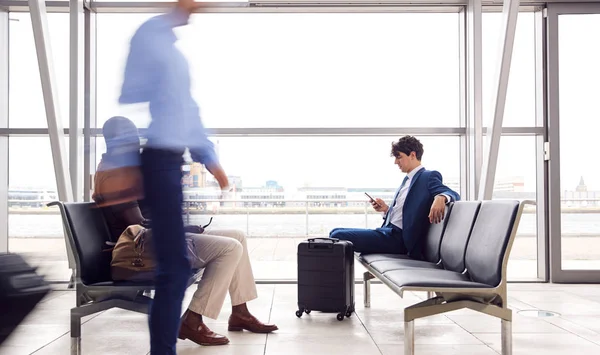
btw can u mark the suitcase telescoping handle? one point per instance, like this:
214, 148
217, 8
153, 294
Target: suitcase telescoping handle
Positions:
332, 240
329, 242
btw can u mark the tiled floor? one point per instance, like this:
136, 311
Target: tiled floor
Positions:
376, 330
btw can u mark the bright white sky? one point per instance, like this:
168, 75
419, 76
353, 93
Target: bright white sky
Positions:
324, 70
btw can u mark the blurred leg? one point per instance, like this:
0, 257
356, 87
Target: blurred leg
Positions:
162, 187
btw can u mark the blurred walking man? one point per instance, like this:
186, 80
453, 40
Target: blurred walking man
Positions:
157, 72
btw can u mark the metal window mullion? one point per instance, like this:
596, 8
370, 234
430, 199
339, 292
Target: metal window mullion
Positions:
553, 124
299, 132
4, 62
510, 12
39, 22
474, 61
541, 164
76, 92
464, 144
89, 160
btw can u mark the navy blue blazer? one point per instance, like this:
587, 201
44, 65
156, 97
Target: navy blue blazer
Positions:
424, 187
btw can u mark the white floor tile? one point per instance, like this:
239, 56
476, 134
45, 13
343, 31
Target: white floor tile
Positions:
377, 330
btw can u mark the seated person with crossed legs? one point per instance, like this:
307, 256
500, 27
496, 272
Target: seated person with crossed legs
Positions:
222, 253
419, 201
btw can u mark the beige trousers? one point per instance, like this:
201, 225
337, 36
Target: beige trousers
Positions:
224, 256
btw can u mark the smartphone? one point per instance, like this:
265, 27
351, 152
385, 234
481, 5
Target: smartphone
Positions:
371, 198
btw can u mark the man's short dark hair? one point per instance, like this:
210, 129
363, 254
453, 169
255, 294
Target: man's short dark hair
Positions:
407, 145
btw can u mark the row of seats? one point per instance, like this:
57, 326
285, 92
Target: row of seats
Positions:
465, 265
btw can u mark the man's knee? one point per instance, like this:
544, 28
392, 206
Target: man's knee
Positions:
334, 232
235, 234
239, 236
338, 233
234, 249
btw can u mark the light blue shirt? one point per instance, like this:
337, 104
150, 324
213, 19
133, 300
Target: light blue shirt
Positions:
157, 72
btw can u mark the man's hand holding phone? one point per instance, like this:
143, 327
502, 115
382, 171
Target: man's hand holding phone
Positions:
378, 204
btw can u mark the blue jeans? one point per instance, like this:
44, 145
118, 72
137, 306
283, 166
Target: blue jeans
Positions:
162, 188
369, 241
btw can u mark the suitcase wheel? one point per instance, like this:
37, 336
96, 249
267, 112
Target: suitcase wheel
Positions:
298, 313
307, 311
340, 316
348, 314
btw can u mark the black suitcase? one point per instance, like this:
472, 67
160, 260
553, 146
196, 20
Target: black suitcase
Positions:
326, 277
21, 288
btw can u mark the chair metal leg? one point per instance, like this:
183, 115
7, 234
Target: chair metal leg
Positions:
75, 332
506, 337
75, 324
367, 285
409, 338
75, 345
72, 280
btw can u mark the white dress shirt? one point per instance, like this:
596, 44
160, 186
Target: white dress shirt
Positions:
396, 213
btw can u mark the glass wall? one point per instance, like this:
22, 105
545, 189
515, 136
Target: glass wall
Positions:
35, 230
516, 179
289, 71
304, 70
516, 173
520, 100
25, 94
579, 179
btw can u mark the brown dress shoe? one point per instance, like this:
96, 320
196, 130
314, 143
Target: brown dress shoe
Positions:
238, 322
199, 333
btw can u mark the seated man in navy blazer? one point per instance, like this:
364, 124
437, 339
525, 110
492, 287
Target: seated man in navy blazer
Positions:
420, 201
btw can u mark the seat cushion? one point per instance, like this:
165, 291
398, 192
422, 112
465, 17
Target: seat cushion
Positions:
431, 278
401, 264
369, 258
196, 275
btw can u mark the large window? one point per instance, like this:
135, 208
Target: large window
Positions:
26, 102
291, 188
516, 173
579, 174
516, 179
35, 230
520, 99
304, 70
287, 70
295, 71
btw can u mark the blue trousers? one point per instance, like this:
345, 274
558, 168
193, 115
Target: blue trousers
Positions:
162, 188
369, 241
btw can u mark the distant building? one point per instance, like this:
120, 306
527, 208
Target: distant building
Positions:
581, 187
581, 197
198, 175
260, 196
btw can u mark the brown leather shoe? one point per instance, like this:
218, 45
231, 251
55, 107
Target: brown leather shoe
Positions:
199, 333
238, 322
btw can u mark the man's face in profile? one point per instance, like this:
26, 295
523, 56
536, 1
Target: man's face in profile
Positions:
404, 161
